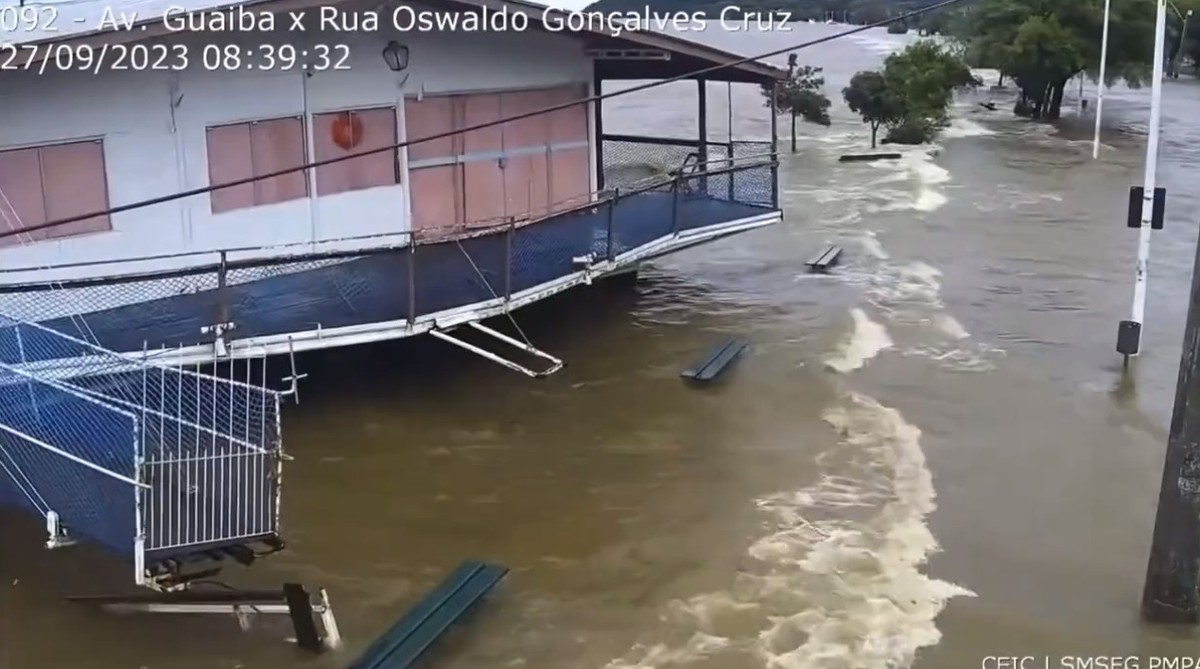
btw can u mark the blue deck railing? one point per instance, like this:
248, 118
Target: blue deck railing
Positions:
653, 191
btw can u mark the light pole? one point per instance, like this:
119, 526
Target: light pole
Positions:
1182, 41
1129, 335
1100, 83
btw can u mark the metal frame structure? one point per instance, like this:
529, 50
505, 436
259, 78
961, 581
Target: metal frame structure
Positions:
155, 463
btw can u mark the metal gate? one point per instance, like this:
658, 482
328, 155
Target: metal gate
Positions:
149, 461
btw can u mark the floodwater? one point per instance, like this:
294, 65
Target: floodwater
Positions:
928, 457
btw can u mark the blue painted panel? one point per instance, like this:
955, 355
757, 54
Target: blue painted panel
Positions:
300, 295
289, 297
99, 507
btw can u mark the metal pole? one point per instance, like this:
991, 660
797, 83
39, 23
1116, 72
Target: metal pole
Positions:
729, 123
774, 152
702, 113
1170, 592
598, 114
1182, 44
1138, 313
1100, 84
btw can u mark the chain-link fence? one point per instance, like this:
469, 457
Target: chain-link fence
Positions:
653, 189
135, 456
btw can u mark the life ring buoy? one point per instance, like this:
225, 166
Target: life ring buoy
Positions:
347, 131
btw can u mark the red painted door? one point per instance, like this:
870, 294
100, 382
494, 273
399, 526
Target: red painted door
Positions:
570, 160
483, 175
526, 180
435, 180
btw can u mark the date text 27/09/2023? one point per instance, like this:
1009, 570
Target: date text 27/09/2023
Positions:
160, 57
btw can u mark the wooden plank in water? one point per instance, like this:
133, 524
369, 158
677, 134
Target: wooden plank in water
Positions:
825, 259
716, 360
867, 157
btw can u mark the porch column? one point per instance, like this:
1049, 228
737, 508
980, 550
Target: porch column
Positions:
774, 151
597, 114
702, 109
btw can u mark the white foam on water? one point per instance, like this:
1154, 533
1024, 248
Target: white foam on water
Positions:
868, 603
865, 341
837, 582
882, 46
987, 75
910, 295
950, 326
963, 127
964, 359
914, 284
929, 176
920, 177
871, 246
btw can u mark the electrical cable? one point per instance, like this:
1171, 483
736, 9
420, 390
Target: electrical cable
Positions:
162, 199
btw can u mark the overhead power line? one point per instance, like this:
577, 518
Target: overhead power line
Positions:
162, 199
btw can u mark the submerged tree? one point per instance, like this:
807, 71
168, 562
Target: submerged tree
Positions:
800, 95
1042, 44
912, 95
869, 97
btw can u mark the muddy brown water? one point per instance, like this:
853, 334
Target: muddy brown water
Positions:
927, 458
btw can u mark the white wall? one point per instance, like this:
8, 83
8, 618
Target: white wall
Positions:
155, 148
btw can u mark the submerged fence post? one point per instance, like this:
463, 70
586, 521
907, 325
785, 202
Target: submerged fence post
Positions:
612, 205
1173, 573
732, 172
702, 113
224, 320
412, 279
774, 152
675, 204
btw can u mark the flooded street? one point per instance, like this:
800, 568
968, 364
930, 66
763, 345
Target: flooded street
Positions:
927, 457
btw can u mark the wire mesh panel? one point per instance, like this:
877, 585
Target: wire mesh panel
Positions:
755, 184
198, 454
546, 250
211, 458
64, 452
457, 272
279, 296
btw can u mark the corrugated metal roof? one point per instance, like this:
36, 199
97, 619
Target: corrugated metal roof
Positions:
72, 19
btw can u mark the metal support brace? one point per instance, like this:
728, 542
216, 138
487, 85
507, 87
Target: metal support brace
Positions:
241, 605
555, 363
57, 536
584, 263
294, 378
220, 341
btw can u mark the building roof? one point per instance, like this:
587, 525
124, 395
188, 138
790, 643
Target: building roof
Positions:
78, 22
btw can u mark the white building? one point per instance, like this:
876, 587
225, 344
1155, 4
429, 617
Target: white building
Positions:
399, 242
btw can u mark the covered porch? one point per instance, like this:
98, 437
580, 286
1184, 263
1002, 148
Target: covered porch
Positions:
653, 196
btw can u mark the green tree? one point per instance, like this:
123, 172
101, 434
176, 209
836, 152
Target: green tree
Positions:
800, 95
1042, 44
913, 93
923, 78
869, 97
